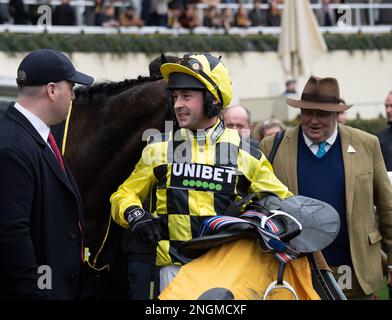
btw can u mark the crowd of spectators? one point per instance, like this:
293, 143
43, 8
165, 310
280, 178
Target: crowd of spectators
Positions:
166, 13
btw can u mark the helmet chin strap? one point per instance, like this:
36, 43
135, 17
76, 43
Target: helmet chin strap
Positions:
211, 105
170, 111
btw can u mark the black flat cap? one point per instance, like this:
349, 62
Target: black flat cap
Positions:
42, 66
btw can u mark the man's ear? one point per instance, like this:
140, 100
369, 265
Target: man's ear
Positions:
51, 90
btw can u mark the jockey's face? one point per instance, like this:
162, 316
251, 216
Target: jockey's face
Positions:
188, 106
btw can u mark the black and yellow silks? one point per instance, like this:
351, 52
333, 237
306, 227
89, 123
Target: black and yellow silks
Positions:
191, 179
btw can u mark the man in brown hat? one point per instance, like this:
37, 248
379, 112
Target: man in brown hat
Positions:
344, 167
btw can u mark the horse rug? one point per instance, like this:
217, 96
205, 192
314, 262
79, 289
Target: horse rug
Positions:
241, 267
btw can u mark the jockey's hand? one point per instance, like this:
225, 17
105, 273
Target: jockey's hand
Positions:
143, 225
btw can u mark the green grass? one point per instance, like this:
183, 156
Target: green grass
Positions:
383, 293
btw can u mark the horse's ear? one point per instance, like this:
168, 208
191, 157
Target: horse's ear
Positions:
163, 59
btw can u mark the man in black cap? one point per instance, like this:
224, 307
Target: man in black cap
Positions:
41, 222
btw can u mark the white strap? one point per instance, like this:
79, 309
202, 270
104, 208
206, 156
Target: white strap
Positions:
279, 213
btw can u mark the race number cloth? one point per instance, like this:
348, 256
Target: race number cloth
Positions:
241, 267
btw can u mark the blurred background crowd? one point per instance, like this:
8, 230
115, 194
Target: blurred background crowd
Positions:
174, 13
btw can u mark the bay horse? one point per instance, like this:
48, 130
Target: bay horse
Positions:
103, 144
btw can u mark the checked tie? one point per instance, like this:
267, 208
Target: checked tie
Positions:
56, 150
321, 149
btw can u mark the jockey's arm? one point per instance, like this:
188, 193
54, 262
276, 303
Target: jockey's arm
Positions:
135, 189
262, 178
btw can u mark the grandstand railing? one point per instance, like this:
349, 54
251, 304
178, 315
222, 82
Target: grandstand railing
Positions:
180, 31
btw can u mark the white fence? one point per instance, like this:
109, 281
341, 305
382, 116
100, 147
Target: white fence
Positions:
180, 31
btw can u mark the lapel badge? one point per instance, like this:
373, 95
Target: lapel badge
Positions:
351, 149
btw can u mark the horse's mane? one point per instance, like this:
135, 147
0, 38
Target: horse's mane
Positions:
109, 88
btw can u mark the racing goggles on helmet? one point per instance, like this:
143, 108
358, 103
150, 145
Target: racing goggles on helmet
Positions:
196, 66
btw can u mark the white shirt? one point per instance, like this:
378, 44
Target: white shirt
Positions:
36, 122
313, 146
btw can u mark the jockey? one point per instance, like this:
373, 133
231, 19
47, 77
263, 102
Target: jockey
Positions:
193, 173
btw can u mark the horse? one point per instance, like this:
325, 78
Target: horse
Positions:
103, 144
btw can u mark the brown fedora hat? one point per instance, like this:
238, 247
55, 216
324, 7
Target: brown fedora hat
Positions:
321, 94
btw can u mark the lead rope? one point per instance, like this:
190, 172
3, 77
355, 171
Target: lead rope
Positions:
86, 253
66, 129
268, 232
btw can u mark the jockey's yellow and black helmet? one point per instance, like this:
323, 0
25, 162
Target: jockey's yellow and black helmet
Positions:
201, 72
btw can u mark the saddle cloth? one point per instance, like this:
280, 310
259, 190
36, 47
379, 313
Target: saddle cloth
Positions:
241, 267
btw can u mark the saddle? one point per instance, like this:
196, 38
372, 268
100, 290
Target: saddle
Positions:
287, 228
307, 225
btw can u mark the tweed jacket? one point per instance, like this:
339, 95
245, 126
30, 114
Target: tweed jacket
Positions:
367, 187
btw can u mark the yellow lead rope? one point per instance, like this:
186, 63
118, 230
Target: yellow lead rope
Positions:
66, 129
86, 249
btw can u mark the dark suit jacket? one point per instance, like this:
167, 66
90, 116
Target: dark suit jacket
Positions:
385, 137
40, 208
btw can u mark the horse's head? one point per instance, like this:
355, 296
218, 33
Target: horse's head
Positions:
104, 140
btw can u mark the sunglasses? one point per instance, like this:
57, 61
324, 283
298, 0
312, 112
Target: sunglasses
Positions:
195, 65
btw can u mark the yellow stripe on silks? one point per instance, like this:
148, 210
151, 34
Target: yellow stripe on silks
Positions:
203, 153
201, 203
193, 203
163, 256
179, 227
241, 267
209, 154
161, 201
66, 129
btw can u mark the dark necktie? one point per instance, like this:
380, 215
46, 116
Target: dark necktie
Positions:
56, 150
